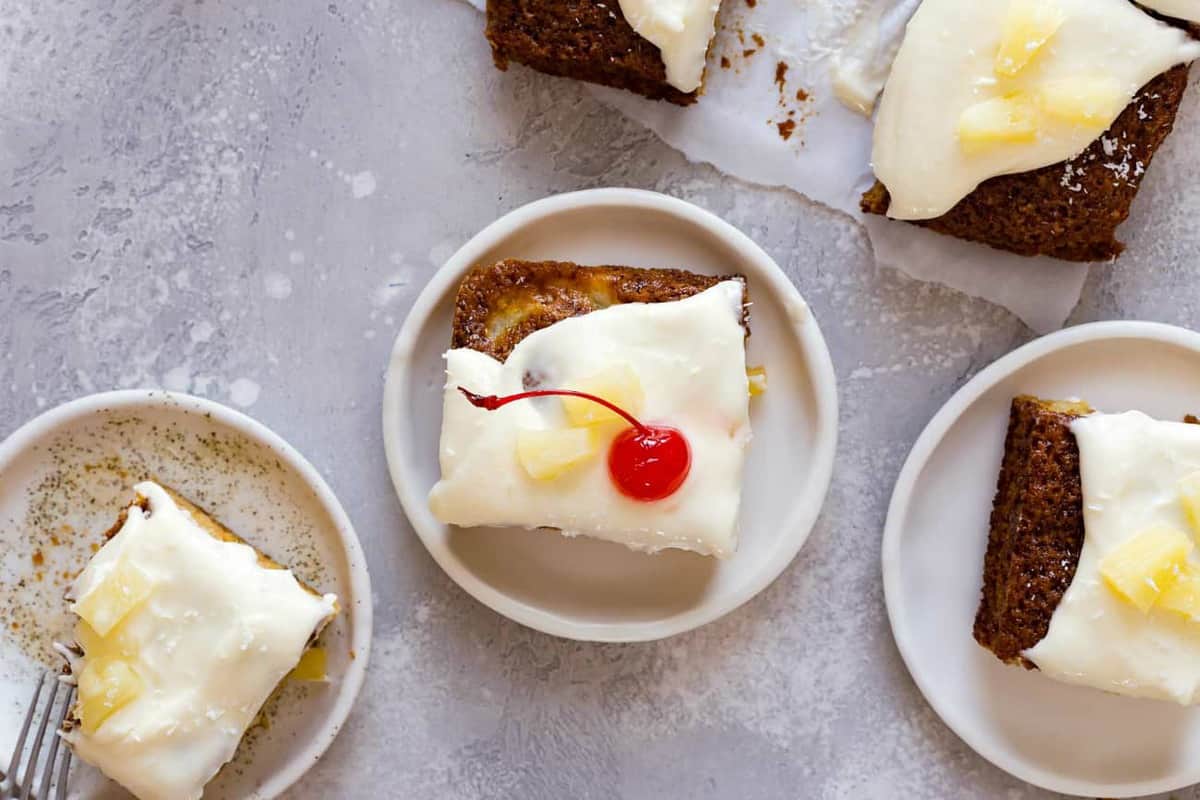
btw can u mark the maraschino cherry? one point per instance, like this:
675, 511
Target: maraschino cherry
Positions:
646, 462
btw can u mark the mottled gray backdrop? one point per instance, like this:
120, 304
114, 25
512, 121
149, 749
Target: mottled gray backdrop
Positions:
241, 200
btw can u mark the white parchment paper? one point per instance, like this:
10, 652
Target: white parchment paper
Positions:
771, 65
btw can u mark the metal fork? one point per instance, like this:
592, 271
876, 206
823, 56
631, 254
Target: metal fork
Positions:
18, 782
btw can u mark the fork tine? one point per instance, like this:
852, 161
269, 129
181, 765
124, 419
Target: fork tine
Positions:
31, 768
48, 774
19, 747
63, 770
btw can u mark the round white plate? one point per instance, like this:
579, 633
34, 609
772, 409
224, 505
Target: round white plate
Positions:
598, 591
1064, 738
67, 474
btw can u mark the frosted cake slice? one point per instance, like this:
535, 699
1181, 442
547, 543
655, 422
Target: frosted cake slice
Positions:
656, 48
184, 631
1091, 574
1026, 125
653, 460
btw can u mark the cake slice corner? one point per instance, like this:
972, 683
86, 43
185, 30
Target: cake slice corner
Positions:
580, 39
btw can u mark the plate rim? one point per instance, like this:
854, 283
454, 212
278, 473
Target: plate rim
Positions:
310, 751
923, 449
804, 325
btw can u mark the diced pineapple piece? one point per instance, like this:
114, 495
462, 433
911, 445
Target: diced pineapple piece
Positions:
758, 380
1140, 569
1183, 595
312, 666
106, 685
618, 385
91, 642
1011, 119
1189, 496
549, 454
1027, 27
1084, 100
110, 601
116, 643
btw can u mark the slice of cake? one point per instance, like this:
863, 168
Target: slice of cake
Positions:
184, 631
1091, 574
609, 402
655, 48
1036, 530
1026, 125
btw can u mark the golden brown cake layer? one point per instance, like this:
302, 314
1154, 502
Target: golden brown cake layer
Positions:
1036, 529
500, 304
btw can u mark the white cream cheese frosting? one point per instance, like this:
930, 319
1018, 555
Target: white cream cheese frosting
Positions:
1131, 466
689, 357
681, 30
1179, 9
947, 65
209, 643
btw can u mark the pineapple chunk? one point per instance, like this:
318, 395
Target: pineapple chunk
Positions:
549, 454
106, 685
1002, 120
1140, 569
116, 643
311, 667
758, 380
110, 601
1189, 496
1027, 28
1088, 101
1183, 595
91, 642
618, 385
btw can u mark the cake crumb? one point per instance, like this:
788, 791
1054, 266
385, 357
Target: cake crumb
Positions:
786, 128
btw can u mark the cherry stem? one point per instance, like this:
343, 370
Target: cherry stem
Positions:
491, 402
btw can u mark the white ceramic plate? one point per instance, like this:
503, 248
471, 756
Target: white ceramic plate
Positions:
63, 478
598, 591
1064, 738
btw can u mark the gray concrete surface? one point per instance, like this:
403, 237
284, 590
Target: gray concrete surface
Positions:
241, 199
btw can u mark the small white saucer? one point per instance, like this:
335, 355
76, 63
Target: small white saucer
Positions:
1064, 738
66, 475
597, 591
